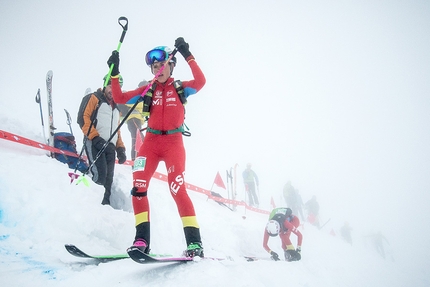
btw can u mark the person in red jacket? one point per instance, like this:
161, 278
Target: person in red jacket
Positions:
282, 222
163, 141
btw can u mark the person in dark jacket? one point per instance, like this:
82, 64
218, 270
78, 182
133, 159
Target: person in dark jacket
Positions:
102, 107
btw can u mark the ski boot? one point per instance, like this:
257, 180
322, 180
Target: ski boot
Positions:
194, 249
292, 255
106, 198
105, 201
142, 245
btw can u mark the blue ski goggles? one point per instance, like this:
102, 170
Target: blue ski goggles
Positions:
156, 55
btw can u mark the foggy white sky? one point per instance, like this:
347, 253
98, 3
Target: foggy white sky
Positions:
331, 95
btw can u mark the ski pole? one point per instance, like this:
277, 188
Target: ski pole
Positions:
41, 114
131, 109
121, 39
69, 121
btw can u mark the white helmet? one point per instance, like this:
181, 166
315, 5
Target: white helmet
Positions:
273, 227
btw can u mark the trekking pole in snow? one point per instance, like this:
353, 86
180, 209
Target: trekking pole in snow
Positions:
124, 26
69, 121
41, 114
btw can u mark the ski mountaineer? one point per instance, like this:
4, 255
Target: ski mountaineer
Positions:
250, 179
283, 222
101, 106
163, 142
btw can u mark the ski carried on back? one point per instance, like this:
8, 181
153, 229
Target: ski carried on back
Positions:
140, 257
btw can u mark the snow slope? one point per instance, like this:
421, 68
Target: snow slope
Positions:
40, 211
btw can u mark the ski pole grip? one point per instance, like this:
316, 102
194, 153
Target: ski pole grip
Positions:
38, 96
124, 29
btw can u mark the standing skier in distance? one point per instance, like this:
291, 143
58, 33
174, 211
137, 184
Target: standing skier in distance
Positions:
248, 179
282, 222
163, 142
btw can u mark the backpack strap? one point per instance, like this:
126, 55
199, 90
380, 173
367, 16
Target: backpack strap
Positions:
180, 90
147, 98
147, 101
99, 96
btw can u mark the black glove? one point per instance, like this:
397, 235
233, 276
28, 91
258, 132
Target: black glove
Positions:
98, 142
274, 256
299, 250
114, 59
120, 154
182, 47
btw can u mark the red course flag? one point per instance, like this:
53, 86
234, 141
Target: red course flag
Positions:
218, 181
272, 202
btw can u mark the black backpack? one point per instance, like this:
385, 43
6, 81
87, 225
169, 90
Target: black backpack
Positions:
84, 103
